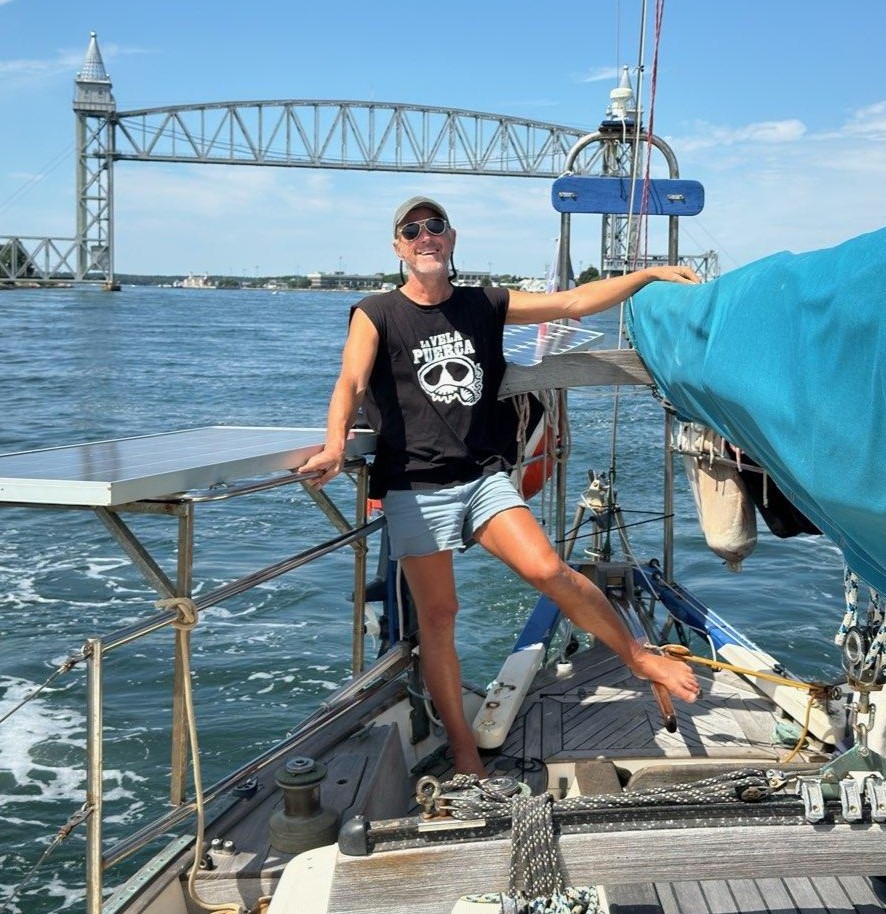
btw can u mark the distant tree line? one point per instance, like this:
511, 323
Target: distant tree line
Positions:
295, 281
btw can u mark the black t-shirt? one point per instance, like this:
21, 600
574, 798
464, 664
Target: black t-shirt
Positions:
433, 391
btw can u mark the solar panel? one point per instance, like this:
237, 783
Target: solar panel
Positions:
115, 472
528, 344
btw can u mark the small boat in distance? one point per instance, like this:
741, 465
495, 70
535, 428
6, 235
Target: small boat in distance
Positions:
194, 281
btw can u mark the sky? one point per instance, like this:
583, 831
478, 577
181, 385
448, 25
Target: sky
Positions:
777, 106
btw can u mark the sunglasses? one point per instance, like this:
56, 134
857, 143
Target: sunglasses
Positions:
435, 226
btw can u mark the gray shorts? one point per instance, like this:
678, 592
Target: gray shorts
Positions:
425, 521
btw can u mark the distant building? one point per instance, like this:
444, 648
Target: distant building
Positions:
375, 281
474, 278
195, 282
533, 284
339, 280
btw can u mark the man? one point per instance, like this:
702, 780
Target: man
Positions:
430, 357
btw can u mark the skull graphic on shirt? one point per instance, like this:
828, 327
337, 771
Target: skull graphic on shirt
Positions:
452, 378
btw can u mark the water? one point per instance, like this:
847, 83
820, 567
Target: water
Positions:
87, 365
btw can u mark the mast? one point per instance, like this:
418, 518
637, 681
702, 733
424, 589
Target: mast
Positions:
622, 156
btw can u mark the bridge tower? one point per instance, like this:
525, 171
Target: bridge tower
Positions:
94, 109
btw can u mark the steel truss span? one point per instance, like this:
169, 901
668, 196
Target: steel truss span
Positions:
374, 136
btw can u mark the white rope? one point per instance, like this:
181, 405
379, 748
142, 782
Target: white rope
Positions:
187, 619
535, 867
521, 405
535, 878
875, 618
551, 422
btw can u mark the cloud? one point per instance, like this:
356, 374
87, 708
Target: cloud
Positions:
35, 68
787, 143
35, 71
869, 121
711, 136
778, 185
600, 74
181, 218
178, 219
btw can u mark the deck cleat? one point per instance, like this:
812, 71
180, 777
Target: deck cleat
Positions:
850, 800
246, 789
812, 797
875, 794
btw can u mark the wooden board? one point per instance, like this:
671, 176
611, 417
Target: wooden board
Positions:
603, 368
629, 857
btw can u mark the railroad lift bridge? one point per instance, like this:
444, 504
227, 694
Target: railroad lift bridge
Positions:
351, 135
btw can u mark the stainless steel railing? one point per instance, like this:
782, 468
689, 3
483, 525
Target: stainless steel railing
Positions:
96, 649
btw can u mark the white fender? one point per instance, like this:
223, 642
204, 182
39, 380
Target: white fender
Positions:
726, 513
505, 695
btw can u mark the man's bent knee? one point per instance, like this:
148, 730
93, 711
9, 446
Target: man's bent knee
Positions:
552, 576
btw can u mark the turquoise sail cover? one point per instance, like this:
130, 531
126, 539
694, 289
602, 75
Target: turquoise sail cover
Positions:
786, 358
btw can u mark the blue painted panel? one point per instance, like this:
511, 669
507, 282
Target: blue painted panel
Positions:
541, 624
687, 608
596, 194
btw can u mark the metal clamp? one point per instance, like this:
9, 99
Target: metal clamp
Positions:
427, 792
863, 658
850, 799
875, 794
812, 797
862, 707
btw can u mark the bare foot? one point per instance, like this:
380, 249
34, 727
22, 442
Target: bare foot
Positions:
467, 761
675, 675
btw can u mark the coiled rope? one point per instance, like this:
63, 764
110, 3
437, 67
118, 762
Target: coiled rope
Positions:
729, 787
535, 880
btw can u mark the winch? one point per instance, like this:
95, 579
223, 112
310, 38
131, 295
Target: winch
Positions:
303, 823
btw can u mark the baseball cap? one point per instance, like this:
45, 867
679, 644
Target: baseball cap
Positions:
414, 203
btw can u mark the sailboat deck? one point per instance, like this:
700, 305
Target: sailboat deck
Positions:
811, 895
597, 729
601, 710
